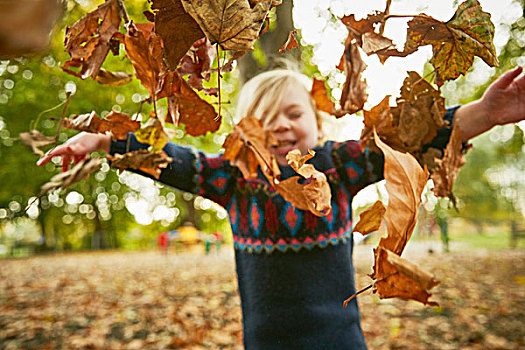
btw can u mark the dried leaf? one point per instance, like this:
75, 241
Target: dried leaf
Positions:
105, 77
370, 219
248, 146
176, 27
448, 167
353, 96
120, 124
36, 139
197, 63
80, 171
399, 278
153, 133
233, 24
320, 96
405, 181
143, 160
291, 42
88, 40
468, 33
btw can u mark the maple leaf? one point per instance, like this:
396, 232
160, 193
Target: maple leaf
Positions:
468, 33
405, 181
80, 171
291, 42
186, 106
353, 96
88, 40
370, 219
176, 27
399, 278
153, 133
233, 24
248, 146
116, 79
448, 167
197, 63
36, 139
320, 96
144, 49
146, 161
119, 124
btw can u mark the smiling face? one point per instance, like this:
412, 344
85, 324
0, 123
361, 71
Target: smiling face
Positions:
294, 123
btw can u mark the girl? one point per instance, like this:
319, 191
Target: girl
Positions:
294, 268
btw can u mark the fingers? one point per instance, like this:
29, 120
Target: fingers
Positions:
58, 151
66, 161
506, 79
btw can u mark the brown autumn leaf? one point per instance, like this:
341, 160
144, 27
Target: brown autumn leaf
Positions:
291, 42
176, 27
119, 124
105, 77
146, 161
314, 195
248, 146
469, 33
153, 133
419, 112
405, 181
448, 167
233, 24
370, 219
35, 139
186, 106
399, 278
197, 63
353, 96
144, 49
80, 171
88, 40
320, 96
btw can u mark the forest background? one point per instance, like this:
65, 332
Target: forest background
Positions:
127, 211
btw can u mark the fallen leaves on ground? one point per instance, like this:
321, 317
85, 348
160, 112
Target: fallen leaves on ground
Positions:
80, 171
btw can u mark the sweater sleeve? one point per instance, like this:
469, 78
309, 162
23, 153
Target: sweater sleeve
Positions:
191, 171
359, 169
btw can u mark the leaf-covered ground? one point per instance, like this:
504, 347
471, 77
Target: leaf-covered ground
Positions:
123, 300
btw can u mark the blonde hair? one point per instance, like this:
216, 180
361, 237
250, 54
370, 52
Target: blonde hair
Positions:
262, 95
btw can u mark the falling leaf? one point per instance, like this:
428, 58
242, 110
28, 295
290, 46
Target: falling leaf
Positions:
195, 113
291, 42
197, 63
35, 139
176, 27
149, 162
119, 124
468, 33
80, 171
248, 146
399, 278
353, 96
320, 96
233, 24
297, 161
405, 181
153, 133
116, 79
370, 219
448, 167
88, 40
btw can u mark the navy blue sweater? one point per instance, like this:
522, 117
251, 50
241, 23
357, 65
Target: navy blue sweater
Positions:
294, 268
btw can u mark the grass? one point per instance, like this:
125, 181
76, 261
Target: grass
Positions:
490, 241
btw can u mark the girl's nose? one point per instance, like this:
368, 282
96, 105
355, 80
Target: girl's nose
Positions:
280, 124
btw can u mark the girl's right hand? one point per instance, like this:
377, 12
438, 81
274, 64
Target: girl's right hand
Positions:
77, 148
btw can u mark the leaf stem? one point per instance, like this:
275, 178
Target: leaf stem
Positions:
66, 103
34, 124
345, 303
387, 9
123, 11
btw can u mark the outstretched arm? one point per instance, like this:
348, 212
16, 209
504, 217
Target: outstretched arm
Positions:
502, 103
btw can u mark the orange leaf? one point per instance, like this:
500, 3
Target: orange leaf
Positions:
105, 77
118, 123
353, 96
197, 63
291, 42
143, 160
320, 96
370, 219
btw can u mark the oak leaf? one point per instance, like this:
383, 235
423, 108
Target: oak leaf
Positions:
80, 171
291, 42
176, 27
233, 24
399, 278
370, 219
35, 139
448, 167
88, 40
153, 133
320, 97
146, 161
